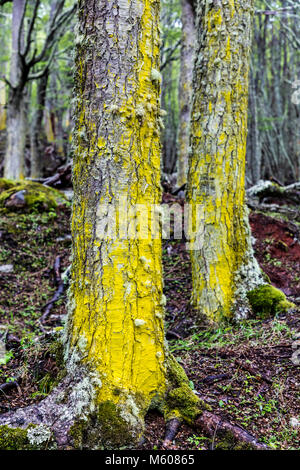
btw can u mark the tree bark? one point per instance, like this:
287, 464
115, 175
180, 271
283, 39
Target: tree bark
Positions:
14, 161
116, 290
223, 264
37, 130
185, 87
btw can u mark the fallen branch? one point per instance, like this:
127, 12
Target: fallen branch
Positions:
215, 378
7, 386
253, 371
232, 435
268, 189
62, 178
174, 334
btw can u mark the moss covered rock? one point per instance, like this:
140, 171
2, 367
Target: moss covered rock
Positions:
267, 301
16, 195
6, 184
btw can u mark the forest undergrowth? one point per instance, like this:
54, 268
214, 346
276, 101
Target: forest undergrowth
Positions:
243, 371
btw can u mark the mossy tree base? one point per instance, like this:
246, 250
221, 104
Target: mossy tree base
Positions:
71, 417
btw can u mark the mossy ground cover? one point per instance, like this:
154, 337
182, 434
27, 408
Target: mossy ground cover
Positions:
30, 242
244, 372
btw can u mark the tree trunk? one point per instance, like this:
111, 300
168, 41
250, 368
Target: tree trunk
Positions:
223, 265
185, 87
254, 159
14, 161
2, 106
16, 106
37, 131
117, 283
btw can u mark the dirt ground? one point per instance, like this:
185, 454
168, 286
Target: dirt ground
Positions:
243, 371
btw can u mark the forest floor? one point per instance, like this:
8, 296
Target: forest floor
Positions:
243, 371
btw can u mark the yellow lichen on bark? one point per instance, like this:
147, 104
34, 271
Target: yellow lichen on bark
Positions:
2, 106
223, 264
116, 311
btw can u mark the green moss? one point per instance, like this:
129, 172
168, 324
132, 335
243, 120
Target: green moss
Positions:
181, 402
176, 374
57, 350
105, 429
267, 301
14, 439
6, 184
227, 441
36, 195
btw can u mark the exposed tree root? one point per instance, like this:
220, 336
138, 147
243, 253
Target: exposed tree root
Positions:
172, 428
71, 417
54, 418
229, 436
56, 413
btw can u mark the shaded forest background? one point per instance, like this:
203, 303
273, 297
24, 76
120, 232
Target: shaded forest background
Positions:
46, 83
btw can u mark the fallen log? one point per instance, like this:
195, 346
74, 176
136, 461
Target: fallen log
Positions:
269, 189
293, 214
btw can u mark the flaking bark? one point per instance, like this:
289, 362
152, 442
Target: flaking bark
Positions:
223, 264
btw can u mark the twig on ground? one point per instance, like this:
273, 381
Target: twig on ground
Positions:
59, 291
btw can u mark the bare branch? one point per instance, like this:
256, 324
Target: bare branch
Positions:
276, 12
21, 27
170, 51
52, 34
4, 79
30, 28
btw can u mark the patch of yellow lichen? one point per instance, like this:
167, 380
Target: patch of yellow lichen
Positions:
221, 172
118, 308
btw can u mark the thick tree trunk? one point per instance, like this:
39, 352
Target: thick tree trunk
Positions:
117, 283
223, 264
188, 39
